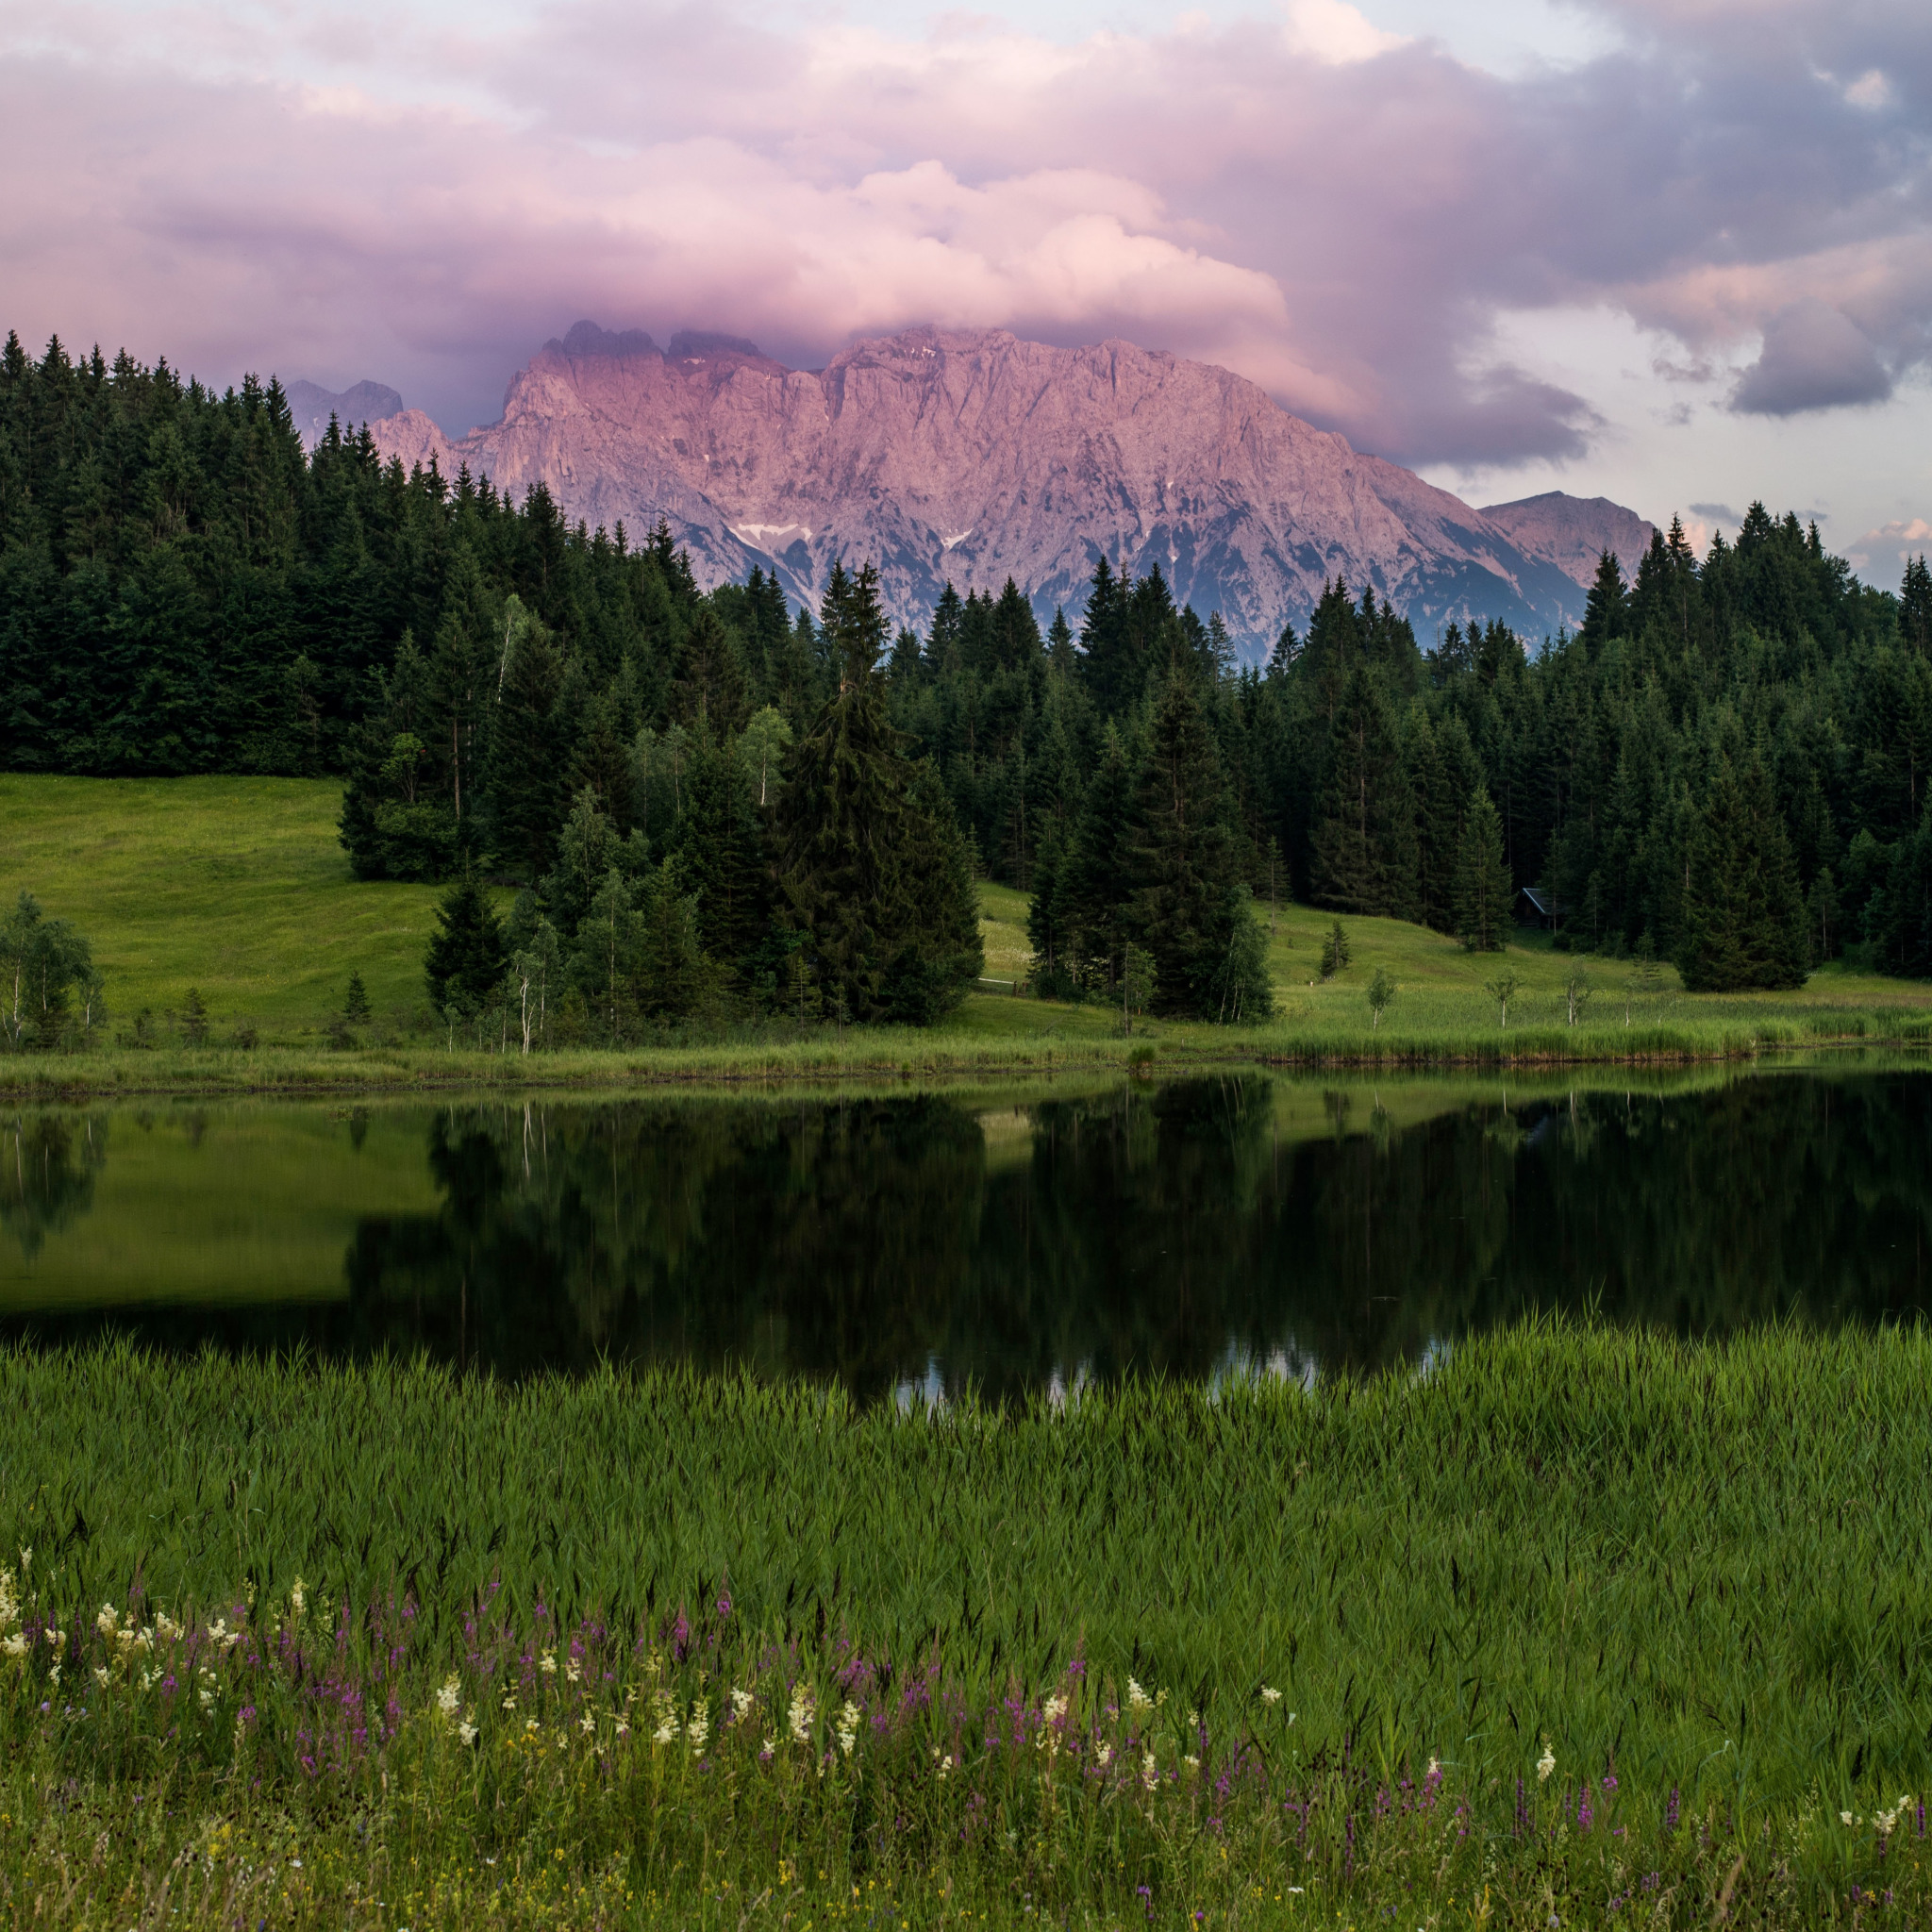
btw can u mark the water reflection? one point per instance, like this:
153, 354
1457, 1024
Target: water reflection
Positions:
1195, 1229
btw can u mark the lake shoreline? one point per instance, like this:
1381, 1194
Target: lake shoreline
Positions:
902, 1059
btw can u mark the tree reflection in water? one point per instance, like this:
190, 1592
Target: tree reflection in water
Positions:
1170, 1229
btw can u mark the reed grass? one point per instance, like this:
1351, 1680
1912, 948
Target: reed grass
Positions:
1576, 1622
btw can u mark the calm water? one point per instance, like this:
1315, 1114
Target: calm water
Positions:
931, 1240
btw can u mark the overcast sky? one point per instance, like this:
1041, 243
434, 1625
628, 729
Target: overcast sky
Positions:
1675, 252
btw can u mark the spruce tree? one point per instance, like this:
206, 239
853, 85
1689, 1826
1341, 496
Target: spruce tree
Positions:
1096, 880
1359, 845
1605, 611
1484, 896
465, 960
1192, 906
1744, 925
858, 843
526, 784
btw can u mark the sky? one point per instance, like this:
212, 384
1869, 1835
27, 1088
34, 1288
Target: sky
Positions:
1674, 252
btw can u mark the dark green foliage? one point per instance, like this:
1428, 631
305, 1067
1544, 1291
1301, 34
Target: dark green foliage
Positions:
356, 1001
195, 1018
465, 960
1335, 950
873, 879
1745, 926
1484, 896
1192, 907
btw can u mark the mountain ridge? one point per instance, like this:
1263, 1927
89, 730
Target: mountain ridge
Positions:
972, 455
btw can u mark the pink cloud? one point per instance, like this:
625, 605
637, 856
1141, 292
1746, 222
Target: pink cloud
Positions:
1339, 214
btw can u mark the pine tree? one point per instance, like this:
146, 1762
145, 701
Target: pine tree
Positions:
1191, 899
465, 960
1606, 612
356, 1001
1484, 896
858, 840
526, 785
1097, 877
1915, 608
1745, 920
1358, 843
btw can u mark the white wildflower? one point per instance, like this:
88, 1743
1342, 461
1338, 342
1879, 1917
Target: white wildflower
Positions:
107, 1621
1546, 1765
587, 1725
26, 1561
573, 1671
1845, 1818
208, 1698
547, 1663
623, 1726
1270, 1694
1192, 1762
848, 1727
1435, 1767
1150, 1773
298, 1600
53, 1674
698, 1730
166, 1628
801, 1714
448, 1698
742, 1701
1137, 1698
664, 1709
1105, 1757
509, 1704
947, 1765
14, 1645
467, 1731
101, 1674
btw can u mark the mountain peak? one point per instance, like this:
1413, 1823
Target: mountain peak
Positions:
968, 455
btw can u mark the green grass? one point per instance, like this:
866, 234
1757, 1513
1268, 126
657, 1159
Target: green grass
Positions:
238, 887
1702, 1569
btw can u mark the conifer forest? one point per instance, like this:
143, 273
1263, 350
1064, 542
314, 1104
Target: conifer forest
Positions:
712, 803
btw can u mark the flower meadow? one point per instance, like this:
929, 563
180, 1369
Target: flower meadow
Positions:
1456, 1648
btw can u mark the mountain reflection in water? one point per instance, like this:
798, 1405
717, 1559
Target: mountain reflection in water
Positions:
1179, 1228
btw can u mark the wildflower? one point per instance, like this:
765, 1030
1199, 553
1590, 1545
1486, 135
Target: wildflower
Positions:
1845, 1818
742, 1701
1192, 1762
665, 1709
509, 1704
768, 1751
801, 1714
946, 1765
848, 1727
448, 1698
107, 1621
467, 1731
1435, 1767
26, 1561
1105, 1757
208, 1698
297, 1599
166, 1628
1270, 1694
699, 1729
1546, 1765
547, 1663
100, 1674
53, 1674
587, 1725
623, 1726
14, 1645
1137, 1698
1150, 1775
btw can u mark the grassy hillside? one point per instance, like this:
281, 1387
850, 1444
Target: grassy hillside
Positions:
238, 886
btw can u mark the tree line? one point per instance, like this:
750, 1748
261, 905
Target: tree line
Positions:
1722, 765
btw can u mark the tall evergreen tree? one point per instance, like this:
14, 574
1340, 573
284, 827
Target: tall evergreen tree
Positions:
1359, 844
1192, 906
1484, 896
1745, 917
465, 961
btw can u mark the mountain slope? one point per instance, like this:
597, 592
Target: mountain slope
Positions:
972, 456
1572, 532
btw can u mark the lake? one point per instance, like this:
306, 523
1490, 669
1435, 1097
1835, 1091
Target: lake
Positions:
1009, 1240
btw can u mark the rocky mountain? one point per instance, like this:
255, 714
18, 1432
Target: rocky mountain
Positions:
972, 456
312, 405
1572, 532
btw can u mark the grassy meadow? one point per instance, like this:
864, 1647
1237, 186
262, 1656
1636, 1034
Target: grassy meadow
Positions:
1577, 1624
237, 887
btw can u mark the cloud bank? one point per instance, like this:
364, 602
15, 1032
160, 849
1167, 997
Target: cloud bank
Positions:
1341, 214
